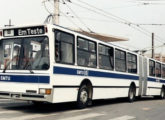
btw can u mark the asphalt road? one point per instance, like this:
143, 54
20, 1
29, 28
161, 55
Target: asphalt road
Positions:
116, 109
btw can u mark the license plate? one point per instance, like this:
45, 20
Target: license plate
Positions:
15, 95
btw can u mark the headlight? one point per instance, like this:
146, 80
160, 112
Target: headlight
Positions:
45, 91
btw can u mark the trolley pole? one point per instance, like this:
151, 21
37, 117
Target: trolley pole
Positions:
153, 54
56, 12
9, 25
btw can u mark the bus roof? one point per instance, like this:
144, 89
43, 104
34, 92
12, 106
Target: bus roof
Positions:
103, 37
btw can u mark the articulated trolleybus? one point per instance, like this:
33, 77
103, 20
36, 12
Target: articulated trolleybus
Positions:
49, 63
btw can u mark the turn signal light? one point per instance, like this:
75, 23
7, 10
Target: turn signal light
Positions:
48, 91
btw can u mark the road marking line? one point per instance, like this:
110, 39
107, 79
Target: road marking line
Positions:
74, 111
27, 117
24, 117
9, 111
146, 109
126, 117
81, 117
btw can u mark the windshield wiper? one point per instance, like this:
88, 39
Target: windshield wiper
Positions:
4, 70
31, 71
30, 67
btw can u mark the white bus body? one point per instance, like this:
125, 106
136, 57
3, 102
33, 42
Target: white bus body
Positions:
61, 78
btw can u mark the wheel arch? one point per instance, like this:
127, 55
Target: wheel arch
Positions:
89, 85
133, 85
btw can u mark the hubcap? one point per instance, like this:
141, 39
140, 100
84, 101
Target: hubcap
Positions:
162, 94
131, 95
84, 96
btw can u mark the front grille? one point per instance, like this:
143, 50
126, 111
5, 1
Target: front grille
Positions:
3, 93
34, 96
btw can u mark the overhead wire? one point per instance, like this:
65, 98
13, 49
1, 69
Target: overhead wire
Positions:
46, 7
71, 21
94, 11
126, 6
153, 24
103, 11
155, 47
105, 15
51, 15
78, 18
120, 20
111, 16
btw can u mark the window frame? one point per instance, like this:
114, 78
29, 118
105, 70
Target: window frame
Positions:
79, 37
154, 68
158, 63
132, 62
113, 67
73, 47
121, 59
162, 66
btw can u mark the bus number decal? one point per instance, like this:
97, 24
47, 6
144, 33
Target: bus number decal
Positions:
82, 72
7, 78
157, 80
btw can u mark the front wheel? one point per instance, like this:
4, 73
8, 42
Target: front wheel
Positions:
38, 103
83, 97
131, 94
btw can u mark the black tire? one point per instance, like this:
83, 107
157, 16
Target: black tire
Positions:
38, 103
162, 93
138, 97
131, 94
83, 97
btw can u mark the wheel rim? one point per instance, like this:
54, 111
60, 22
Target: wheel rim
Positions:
131, 95
83, 96
162, 94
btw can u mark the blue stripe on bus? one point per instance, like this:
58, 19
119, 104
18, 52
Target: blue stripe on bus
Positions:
112, 75
81, 72
162, 81
156, 80
151, 79
25, 78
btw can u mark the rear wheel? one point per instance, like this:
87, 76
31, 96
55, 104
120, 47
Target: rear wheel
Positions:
83, 97
162, 93
131, 93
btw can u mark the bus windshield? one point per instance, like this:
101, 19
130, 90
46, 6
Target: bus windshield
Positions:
24, 53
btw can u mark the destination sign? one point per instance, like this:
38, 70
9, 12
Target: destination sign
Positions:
38, 30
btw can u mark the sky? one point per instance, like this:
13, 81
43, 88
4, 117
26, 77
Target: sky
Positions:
75, 15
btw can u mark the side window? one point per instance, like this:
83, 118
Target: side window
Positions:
131, 63
163, 71
106, 57
86, 52
158, 70
120, 60
64, 47
151, 68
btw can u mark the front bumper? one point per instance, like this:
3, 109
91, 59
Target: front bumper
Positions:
25, 96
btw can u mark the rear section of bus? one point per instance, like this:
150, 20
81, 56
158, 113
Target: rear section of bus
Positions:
25, 63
